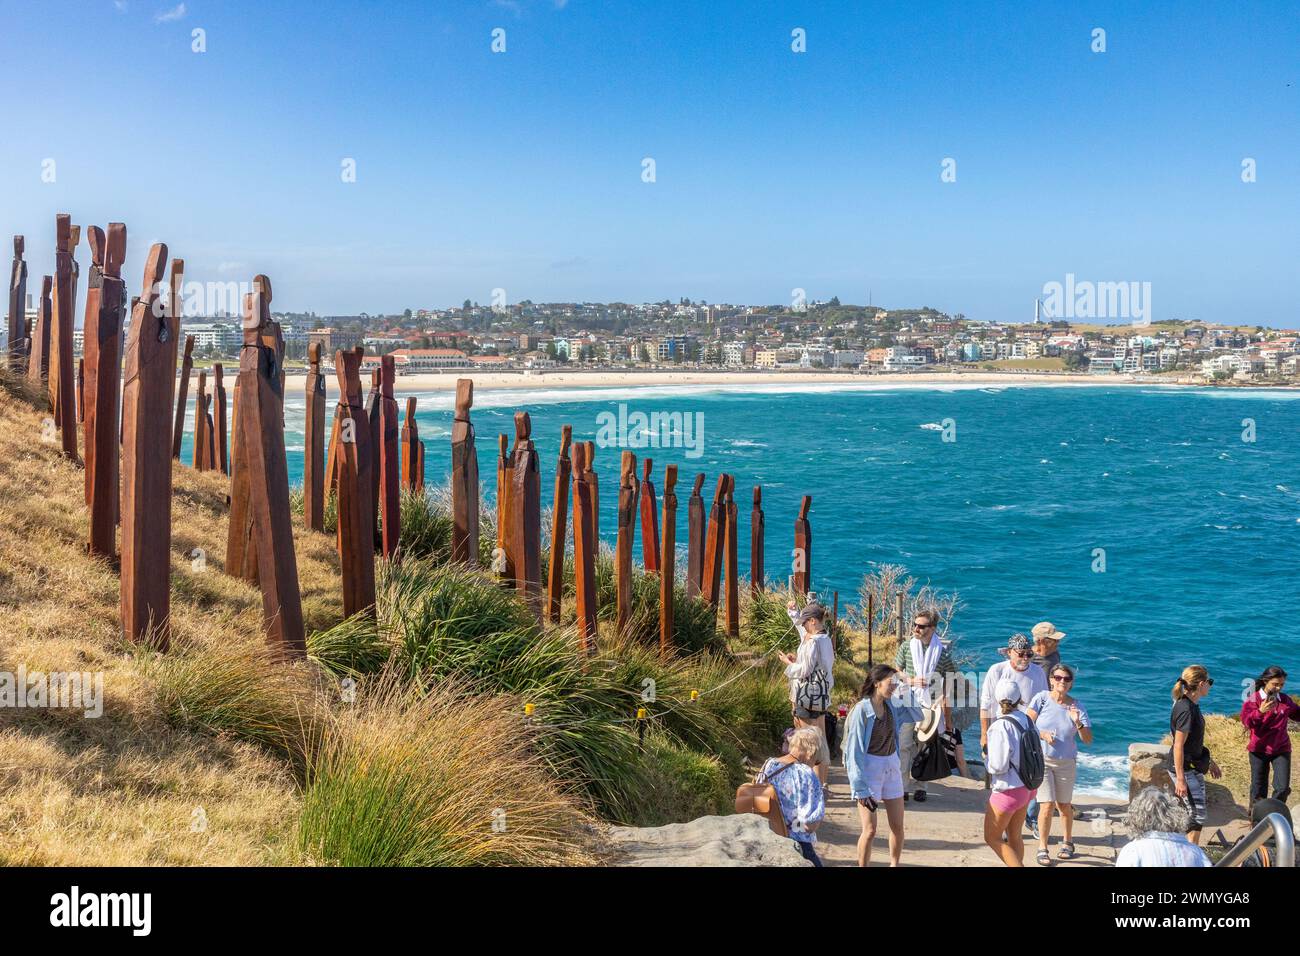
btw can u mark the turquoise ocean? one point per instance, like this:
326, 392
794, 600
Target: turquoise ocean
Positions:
1200, 528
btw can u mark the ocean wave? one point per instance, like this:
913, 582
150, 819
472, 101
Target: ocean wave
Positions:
932, 427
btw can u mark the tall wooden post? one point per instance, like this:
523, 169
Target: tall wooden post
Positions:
241, 553
667, 560
356, 535
377, 439
148, 380
623, 543
102, 328
201, 462
220, 434
803, 548
62, 375
464, 478
419, 468
695, 540
715, 542
756, 574
584, 555
503, 561
38, 352
559, 526
732, 565
182, 396
410, 449
262, 451
81, 388
390, 488
593, 480
19, 334
526, 521
313, 465
649, 519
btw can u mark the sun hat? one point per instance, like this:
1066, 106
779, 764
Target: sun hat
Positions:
1046, 630
927, 726
1016, 642
1007, 690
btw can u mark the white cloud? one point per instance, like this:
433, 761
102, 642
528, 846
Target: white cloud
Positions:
121, 5
167, 16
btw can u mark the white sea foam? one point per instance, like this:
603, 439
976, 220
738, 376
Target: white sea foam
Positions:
932, 427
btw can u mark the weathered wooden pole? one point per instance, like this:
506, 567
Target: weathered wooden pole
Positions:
410, 449
624, 541
313, 465
715, 542
102, 329
81, 389
559, 526
373, 405
803, 548
332, 456
584, 554
220, 433
464, 478
356, 535
148, 381
19, 334
731, 562
695, 539
241, 553
38, 352
419, 468
62, 375
390, 484
182, 396
756, 579
262, 431
526, 519
593, 480
649, 519
667, 560
201, 462
503, 560
900, 632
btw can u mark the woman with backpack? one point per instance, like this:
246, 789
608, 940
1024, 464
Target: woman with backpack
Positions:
871, 757
810, 672
1015, 764
798, 791
1059, 719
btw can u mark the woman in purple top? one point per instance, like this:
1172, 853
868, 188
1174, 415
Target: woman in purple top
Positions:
1267, 713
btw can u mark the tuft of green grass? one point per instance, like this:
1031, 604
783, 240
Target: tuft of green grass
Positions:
350, 648
683, 784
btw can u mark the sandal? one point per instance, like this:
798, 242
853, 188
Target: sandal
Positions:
1066, 852
1044, 858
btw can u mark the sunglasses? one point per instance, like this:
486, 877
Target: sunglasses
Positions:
1022, 655
921, 627
1065, 677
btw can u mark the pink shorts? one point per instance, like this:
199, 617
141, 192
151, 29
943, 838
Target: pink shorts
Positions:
1009, 801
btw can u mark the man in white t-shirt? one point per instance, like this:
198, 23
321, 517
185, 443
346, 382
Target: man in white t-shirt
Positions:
1029, 677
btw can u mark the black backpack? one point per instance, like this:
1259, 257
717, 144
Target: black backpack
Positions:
1032, 768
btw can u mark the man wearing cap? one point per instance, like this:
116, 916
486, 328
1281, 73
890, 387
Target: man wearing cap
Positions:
1019, 667
923, 661
1047, 641
810, 671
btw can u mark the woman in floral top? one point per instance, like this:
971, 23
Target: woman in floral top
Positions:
798, 790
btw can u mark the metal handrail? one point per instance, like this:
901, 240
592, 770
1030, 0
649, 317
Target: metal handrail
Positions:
1275, 826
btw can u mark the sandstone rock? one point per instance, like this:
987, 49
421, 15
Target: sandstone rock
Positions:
743, 839
1149, 771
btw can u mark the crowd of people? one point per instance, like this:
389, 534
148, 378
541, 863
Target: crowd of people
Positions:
902, 732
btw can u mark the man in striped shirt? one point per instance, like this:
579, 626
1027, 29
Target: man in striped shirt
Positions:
926, 666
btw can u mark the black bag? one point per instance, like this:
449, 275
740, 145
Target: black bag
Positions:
931, 762
832, 732
1032, 769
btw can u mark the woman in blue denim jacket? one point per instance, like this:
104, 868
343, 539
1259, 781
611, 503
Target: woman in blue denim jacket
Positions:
870, 751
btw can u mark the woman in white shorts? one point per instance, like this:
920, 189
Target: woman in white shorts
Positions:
870, 751
1061, 721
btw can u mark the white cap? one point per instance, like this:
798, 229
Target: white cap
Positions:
1007, 690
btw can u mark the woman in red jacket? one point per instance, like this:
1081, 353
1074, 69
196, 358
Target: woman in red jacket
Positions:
1266, 714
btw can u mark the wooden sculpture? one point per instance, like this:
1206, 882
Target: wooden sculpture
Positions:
262, 456
313, 464
803, 548
756, 581
410, 449
649, 519
356, 534
624, 542
182, 396
464, 478
376, 440
715, 544
102, 328
559, 526
667, 560
148, 381
38, 351
62, 377
502, 560
584, 549
19, 334
594, 481
732, 568
217, 426
695, 540
526, 517
390, 488
201, 462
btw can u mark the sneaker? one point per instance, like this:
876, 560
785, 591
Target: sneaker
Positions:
921, 796
1033, 828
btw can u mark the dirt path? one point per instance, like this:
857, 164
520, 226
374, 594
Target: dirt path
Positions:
948, 829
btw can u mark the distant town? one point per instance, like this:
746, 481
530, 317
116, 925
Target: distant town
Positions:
820, 335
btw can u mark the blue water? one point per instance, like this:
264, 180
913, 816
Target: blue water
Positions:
1201, 530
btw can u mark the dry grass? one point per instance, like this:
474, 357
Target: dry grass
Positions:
1227, 740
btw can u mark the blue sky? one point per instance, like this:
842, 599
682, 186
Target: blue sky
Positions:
774, 170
